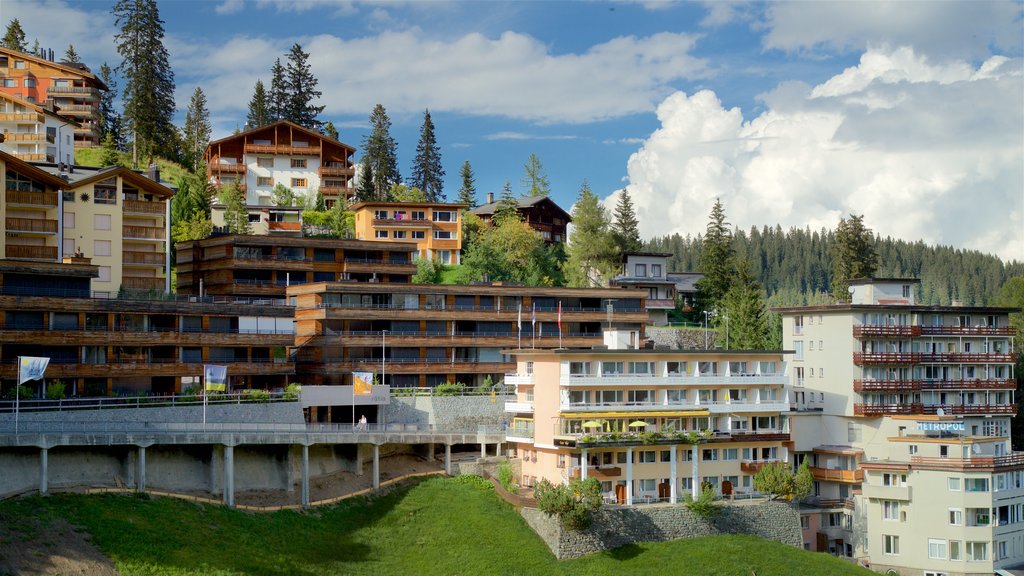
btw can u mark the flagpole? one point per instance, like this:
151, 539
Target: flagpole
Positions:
203, 381
17, 399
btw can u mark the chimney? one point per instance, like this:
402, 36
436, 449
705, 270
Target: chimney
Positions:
153, 172
490, 197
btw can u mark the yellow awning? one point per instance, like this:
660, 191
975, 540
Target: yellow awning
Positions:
635, 414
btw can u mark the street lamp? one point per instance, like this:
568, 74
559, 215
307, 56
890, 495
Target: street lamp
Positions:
707, 314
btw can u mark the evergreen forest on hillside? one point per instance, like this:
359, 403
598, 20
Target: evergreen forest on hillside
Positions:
794, 266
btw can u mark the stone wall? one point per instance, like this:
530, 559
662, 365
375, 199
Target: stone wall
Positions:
457, 413
615, 527
253, 412
680, 339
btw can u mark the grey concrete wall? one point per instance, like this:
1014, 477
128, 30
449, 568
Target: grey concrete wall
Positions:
616, 527
278, 412
680, 339
448, 412
20, 471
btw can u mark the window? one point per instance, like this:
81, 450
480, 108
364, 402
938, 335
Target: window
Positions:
104, 274
264, 181
442, 235
30, 82
417, 235
101, 221
444, 216
641, 270
10, 83
656, 270
977, 551
936, 549
912, 449
254, 218
19, 64
893, 480
805, 522
444, 256
264, 162
418, 215
906, 290
298, 162
798, 350
101, 247
709, 455
953, 484
675, 396
647, 457
728, 454
891, 544
381, 234
298, 182
890, 510
399, 234
104, 194
976, 484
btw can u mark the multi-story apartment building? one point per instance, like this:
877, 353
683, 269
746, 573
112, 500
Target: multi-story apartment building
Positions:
647, 271
428, 334
263, 267
34, 132
72, 88
435, 228
99, 345
284, 153
539, 212
115, 216
619, 415
905, 412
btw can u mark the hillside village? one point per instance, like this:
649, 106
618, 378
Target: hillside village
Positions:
281, 262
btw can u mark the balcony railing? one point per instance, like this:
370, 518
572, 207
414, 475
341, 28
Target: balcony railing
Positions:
154, 258
31, 252
897, 331
133, 283
832, 475
284, 226
966, 331
404, 222
523, 407
33, 137
144, 232
48, 199
1016, 459
31, 225
76, 90
931, 384
889, 358
282, 149
230, 168
21, 117
915, 408
336, 171
144, 207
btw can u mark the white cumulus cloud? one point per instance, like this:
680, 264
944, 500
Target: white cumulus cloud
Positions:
925, 150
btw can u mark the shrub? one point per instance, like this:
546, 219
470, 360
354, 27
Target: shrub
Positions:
776, 480
572, 504
21, 391
55, 390
706, 505
650, 437
291, 391
254, 395
449, 389
474, 481
507, 478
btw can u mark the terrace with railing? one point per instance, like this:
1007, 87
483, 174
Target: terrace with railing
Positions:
917, 408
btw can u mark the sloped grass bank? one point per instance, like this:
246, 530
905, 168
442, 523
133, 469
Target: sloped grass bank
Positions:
434, 526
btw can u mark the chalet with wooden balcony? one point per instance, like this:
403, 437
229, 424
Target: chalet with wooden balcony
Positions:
626, 417
434, 228
263, 267
71, 90
426, 334
539, 212
286, 154
921, 398
35, 132
648, 271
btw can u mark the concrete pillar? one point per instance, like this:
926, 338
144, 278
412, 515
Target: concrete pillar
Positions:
44, 472
673, 496
483, 450
376, 467
305, 476
629, 476
140, 475
583, 464
359, 459
229, 476
695, 457
430, 451
448, 459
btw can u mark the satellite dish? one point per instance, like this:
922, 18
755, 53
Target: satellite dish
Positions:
940, 412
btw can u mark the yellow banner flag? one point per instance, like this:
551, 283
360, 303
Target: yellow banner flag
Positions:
361, 383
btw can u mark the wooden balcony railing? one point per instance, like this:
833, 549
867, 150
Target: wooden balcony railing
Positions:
335, 171
76, 90
888, 385
869, 331
133, 283
31, 225
890, 358
966, 331
34, 137
34, 157
334, 190
143, 207
847, 476
31, 252
887, 409
21, 117
230, 168
284, 226
917, 408
135, 257
923, 384
143, 232
282, 149
32, 198
1016, 460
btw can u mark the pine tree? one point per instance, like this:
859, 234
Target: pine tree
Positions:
626, 228
197, 130
745, 307
427, 173
380, 152
149, 80
717, 260
14, 39
364, 185
71, 57
110, 118
467, 192
259, 107
330, 131
110, 156
301, 86
592, 257
236, 215
278, 92
535, 179
508, 207
853, 255
36, 48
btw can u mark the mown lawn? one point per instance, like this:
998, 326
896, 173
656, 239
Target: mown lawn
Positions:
437, 526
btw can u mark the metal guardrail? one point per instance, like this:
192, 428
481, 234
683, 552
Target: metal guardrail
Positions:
26, 405
143, 297
65, 427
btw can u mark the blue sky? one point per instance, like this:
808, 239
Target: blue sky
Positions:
791, 113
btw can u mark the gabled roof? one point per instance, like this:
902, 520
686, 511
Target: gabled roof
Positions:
371, 204
37, 107
288, 123
83, 175
83, 72
19, 165
522, 202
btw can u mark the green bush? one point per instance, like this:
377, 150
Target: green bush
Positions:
705, 506
254, 395
291, 391
474, 481
55, 390
449, 389
572, 504
21, 391
507, 478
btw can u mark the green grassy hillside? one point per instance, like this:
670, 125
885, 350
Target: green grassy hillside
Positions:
169, 171
437, 526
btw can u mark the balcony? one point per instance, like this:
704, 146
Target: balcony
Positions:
966, 331
283, 150
144, 207
752, 466
948, 409
895, 358
403, 223
218, 167
518, 379
886, 492
1014, 460
31, 225
132, 283
889, 331
779, 379
38, 137
45, 199
600, 472
22, 117
74, 91
925, 384
660, 304
334, 190
832, 475
147, 258
142, 232
31, 252
519, 407
284, 226
335, 171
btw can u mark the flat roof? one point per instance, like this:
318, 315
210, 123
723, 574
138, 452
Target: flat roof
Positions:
846, 307
297, 241
639, 352
466, 289
371, 204
862, 281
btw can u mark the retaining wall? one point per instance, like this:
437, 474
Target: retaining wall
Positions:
448, 412
277, 412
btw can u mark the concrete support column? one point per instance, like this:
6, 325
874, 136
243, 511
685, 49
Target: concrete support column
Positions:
695, 457
583, 464
483, 450
376, 467
448, 459
305, 476
359, 459
140, 475
44, 471
229, 476
629, 476
430, 451
673, 495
